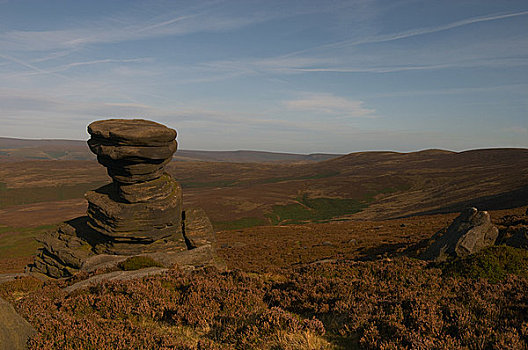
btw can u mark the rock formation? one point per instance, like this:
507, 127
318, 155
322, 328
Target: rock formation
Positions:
143, 204
470, 232
140, 212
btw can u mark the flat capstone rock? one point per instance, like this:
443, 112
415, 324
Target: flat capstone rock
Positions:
132, 131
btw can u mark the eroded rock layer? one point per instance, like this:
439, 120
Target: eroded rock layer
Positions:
143, 204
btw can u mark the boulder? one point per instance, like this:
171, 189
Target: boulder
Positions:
197, 228
14, 330
203, 256
470, 232
116, 276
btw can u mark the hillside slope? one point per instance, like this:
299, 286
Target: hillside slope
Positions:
12, 149
382, 184
367, 185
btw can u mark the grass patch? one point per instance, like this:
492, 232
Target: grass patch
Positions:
493, 263
227, 183
56, 154
314, 210
138, 262
3, 186
27, 195
239, 223
321, 175
321, 209
20, 242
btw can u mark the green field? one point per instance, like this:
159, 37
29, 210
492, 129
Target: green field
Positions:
239, 223
27, 195
19, 242
314, 210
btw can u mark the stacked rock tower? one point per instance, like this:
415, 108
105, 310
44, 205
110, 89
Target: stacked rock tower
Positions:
143, 204
139, 213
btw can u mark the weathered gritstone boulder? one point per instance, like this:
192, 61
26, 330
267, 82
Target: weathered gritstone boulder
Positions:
140, 212
469, 233
14, 330
198, 228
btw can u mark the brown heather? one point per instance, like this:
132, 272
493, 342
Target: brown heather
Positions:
384, 304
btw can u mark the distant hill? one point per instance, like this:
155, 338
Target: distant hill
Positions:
12, 149
249, 156
363, 185
438, 181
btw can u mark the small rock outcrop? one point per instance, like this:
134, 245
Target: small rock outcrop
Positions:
140, 212
470, 232
14, 330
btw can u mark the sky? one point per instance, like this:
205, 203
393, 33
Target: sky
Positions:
286, 76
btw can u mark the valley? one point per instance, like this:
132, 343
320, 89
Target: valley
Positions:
356, 193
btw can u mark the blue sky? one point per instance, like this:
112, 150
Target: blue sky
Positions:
289, 76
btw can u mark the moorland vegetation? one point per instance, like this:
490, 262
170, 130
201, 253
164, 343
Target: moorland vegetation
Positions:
332, 263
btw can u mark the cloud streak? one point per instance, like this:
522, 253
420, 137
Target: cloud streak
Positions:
411, 33
204, 17
329, 104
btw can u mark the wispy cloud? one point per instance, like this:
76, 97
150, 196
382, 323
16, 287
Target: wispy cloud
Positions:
24, 63
96, 62
511, 89
412, 33
211, 16
349, 56
329, 104
493, 52
110, 32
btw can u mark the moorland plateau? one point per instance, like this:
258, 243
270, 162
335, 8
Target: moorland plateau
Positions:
321, 253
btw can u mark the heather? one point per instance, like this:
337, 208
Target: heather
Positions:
398, 303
